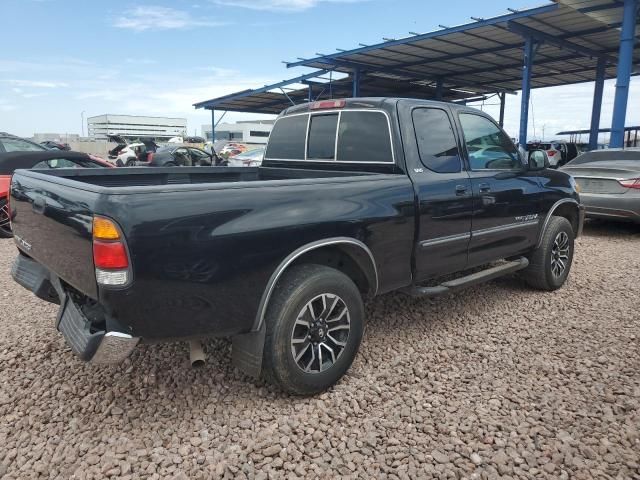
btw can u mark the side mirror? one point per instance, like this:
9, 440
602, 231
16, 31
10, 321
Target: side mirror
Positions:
538, 160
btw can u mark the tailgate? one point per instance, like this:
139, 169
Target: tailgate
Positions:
52, 223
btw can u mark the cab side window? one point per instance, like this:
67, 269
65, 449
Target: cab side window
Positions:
437, 145
487, 145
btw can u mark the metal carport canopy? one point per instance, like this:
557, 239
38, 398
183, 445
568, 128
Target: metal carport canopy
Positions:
276, 97
572, 41
485, 56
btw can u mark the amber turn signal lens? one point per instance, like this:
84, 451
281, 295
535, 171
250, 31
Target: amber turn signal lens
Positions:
105, 229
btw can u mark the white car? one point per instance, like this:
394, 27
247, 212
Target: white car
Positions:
127, 154
252, 158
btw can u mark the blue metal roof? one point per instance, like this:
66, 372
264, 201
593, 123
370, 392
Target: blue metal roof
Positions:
474, 59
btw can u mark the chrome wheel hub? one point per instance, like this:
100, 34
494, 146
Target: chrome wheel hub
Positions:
560, 254
4, 216
320, 333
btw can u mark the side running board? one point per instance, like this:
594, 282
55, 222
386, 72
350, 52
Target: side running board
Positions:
469, 280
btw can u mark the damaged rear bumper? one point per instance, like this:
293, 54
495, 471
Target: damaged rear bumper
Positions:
91, 344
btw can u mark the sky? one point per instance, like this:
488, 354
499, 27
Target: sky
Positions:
63, 60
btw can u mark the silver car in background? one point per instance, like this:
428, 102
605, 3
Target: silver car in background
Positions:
609, 183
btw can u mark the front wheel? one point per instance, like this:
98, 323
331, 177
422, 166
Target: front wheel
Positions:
314, 327
5, 223
550, 263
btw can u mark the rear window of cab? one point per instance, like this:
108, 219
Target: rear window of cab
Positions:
350, 136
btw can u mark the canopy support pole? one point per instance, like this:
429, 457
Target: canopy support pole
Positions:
356, 83
213, 125
527, 66
625, 61
597, 104
502, 96
439, 89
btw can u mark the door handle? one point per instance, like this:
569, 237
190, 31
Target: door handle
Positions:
461, 189
484, 187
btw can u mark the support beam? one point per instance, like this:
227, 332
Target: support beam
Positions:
529, 48
356, 83
310, 97
625, 63
556, 41
439, 89
597, 104
503, 97
213, 126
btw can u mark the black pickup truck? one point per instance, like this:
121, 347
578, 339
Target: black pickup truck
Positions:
355, 198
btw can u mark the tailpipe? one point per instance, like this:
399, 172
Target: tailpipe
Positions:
196, 354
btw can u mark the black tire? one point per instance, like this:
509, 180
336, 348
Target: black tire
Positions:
170, 164
131, 162
543, 270
289, 306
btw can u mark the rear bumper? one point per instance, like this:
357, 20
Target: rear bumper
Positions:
90, 343
619, 206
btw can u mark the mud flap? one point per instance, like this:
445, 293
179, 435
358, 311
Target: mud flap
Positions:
246, 351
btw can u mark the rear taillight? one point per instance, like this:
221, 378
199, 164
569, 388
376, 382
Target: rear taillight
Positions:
5, 184
551, 153
150, 157
630, 183
109, 253
328, 104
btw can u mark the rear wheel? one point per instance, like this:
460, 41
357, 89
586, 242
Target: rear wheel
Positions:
5, 224
131, 162
550, 263
314, 327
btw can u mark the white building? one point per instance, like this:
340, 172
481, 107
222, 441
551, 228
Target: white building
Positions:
255, 131
133, 126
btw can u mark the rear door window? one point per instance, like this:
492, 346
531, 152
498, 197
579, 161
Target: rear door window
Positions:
364, 137
437, 145
287, 138
321, 144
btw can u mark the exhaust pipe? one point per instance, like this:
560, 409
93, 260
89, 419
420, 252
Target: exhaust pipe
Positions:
196, 354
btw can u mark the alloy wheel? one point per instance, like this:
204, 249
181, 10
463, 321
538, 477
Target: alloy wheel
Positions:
4, 218
320, 333
560, 254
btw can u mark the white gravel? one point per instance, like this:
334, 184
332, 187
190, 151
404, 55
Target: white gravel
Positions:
496, 382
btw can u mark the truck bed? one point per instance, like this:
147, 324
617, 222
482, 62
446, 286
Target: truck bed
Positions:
146, 176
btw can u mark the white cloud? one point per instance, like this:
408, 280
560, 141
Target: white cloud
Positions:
280, 5
154, 17
37, 84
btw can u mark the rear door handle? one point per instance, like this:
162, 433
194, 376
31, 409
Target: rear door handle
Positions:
484, 187
461, 189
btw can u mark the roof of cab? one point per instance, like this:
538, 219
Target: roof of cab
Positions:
384, 103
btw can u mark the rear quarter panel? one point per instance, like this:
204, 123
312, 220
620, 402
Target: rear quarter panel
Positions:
52, 223
202, 257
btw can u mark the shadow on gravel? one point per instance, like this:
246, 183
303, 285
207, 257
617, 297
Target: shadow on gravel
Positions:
608, 228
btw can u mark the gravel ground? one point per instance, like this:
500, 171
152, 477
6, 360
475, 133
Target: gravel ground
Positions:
495, 382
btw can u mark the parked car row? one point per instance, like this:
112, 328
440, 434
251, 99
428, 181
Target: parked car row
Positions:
609, 183
42, 160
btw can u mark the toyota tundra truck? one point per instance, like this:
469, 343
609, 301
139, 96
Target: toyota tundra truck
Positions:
355, 198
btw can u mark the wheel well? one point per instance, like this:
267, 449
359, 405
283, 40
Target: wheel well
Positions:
354, 262
570, 212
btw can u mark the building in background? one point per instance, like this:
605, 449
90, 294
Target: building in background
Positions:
133, 126
55, 137
253, 131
